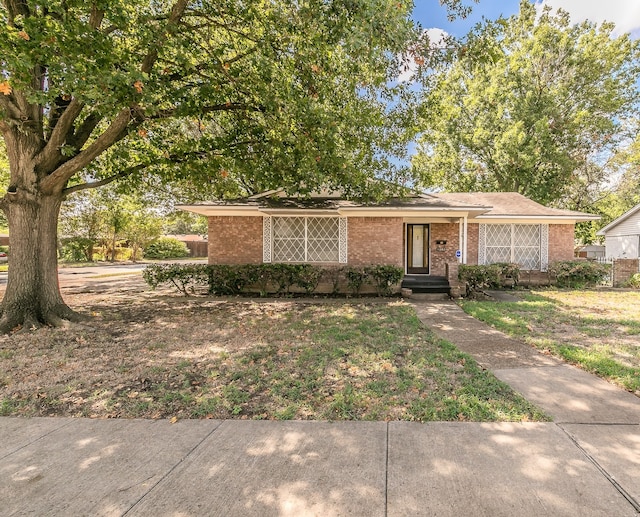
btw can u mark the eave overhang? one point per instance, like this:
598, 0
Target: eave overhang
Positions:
356, 211
477, 214
536, 219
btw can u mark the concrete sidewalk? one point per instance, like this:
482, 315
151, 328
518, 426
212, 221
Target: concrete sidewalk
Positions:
51, 466
586, 463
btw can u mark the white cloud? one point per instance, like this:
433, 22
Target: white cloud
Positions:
624, 13
436, 40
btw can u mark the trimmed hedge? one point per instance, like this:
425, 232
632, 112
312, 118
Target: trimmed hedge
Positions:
494, 276
566, 273
220, 279
579, 273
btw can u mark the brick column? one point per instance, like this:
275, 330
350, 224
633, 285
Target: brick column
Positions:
455, 285
623, 270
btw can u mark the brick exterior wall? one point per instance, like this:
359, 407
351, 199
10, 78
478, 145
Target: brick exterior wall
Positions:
375, 240
561, 242
235, 240
441, 255
371, 240
473, 237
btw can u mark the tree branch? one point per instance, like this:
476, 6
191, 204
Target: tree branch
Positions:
16, 8
50, 155
115, 132
106, 181
225, 26
177, 11
82, 134
7, 103
227, 106
96, 16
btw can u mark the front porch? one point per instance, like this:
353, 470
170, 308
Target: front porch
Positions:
429, 244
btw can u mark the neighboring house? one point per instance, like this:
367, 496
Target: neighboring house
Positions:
421, 233
622, 236
196, 244
590, 251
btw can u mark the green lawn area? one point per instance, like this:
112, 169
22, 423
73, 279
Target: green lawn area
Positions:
198, 358
597, 330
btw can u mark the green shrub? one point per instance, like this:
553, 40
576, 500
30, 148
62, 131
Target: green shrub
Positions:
283, 276
308, 277
478, 278
634, 281
384, 277
509, 271
578, 273
356, 278
77, 249
226, 280
491, 276
235, 279
166, 248
184, 277
333, 275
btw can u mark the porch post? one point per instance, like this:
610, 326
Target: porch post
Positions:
461, 243
464, 247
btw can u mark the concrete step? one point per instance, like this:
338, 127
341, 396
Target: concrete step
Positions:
427, 284
429, 297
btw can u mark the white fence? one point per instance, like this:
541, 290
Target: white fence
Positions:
608, 281
612, 262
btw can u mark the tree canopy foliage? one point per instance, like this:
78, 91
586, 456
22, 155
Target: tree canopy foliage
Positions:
534, 105
223, 93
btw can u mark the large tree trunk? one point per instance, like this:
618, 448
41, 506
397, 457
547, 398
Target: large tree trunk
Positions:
32, 297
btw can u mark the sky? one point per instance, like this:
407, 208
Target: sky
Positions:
624, 13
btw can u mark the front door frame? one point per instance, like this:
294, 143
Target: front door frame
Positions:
422, 269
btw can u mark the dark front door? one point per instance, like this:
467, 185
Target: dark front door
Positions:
417, 249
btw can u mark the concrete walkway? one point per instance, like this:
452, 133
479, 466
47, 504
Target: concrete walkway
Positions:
586, 463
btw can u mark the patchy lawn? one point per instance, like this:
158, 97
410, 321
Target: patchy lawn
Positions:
598, 330
153, 355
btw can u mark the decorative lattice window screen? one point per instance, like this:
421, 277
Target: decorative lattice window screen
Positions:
288, 239
266, 239
523, 244
498, 243
544, 247
305, 239
526, 245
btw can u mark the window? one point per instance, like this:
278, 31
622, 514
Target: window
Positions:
307, 239
518, 243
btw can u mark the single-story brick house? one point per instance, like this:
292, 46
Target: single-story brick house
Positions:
421, 233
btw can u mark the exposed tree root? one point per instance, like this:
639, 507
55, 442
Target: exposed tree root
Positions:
25, 320
31, 323
9, 322
70, 315
54, 320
